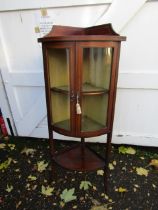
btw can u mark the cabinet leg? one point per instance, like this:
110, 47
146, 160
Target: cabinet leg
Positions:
52, 154
107, 158
51, 144
83, 153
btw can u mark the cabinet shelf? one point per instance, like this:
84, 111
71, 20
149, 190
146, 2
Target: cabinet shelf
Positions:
65, 124
87, 89
74, 159
88, 124
61, 89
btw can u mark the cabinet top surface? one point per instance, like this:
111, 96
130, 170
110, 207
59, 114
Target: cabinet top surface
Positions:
96, 33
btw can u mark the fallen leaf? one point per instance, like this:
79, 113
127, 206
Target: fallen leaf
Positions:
28, 151
100, 172
18, 204
67, 195
41, 166
11, 146
127, 150
122, 149
9, 188
32, 178
111, 167
5, 164
85, 185
124, 168
47, 190
94, 187
28, 186
154, 162
121, 189
154, 186
62, 204
14, 161
2, 146
106, 197
114, 162
81, 199
130, 151
142, 171
34, 187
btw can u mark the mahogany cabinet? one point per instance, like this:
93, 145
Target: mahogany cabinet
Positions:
81, 69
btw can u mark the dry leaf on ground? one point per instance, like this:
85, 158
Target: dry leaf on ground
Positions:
121, 189
47, 190
142, 171
154, 163
100, 172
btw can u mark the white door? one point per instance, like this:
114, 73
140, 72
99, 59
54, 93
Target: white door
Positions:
22, 71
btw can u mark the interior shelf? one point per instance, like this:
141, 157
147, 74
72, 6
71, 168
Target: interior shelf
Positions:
62, 89
87, 87
65, 124
87, 124
80, 159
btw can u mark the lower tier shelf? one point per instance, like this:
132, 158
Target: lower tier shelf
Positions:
79, 159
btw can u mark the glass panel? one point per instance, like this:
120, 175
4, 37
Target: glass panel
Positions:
58, 59
94, 112
61, 110
96, 68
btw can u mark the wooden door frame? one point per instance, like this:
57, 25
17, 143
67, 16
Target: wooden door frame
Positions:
112, 86
60, 45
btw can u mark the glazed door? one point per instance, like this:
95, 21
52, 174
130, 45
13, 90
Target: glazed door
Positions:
95, 86
60, 61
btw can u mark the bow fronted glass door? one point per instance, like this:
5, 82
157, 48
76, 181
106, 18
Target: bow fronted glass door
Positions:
61, 64
95, 69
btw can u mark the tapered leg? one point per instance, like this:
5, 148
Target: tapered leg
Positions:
52, 145
107, 158
52, 154
83, 153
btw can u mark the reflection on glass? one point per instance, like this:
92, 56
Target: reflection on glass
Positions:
94, 112
60, 110
58, 60
97, 64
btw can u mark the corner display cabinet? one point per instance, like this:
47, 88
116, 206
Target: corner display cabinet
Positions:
81, 69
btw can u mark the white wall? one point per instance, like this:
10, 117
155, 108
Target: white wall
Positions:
21, 64
137, 101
